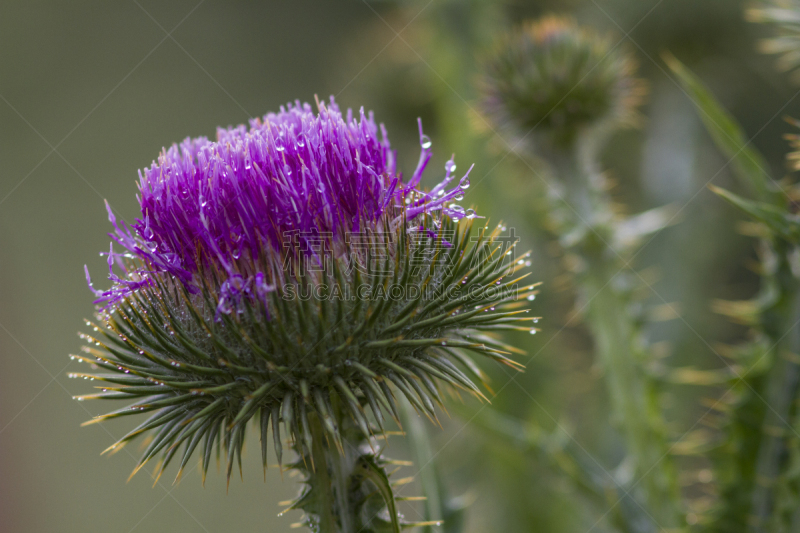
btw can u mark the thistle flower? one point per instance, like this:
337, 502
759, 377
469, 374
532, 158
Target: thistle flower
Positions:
551, 79
289, 273
784, 16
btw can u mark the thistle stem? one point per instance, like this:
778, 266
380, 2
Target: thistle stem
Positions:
347, 488
783, 386
586, 227
320, 463
633, 396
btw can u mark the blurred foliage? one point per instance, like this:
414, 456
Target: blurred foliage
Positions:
105, 85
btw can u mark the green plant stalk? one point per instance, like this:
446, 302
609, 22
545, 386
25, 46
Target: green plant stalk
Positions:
586, 226
634, 397
554, 449
346, 488
783, 385
758, 465
321, 457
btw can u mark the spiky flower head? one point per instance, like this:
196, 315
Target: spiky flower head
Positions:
784, 17
550, 79
288, 272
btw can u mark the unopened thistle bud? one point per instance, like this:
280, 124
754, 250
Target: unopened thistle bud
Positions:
784, 17
550, 80
288, 273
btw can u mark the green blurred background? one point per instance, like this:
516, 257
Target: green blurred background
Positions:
91, 91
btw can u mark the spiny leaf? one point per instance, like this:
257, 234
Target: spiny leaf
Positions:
749, 165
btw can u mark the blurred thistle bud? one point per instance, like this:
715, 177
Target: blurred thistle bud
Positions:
550, 80
784, 17
287, 272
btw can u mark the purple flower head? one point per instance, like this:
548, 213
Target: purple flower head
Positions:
236, 205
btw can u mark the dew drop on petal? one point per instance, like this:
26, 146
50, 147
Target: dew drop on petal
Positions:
450, 166
425, 142
457, 209
464, 183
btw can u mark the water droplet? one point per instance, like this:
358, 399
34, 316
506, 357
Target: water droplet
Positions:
535, 320
532, 297
301, 140
148, 233
425, 142
459, 196
533, 331
464, 183
457, 209
470, 213
279, 147
450, 166
236, 253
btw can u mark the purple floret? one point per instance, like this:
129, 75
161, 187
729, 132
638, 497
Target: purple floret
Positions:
235, 204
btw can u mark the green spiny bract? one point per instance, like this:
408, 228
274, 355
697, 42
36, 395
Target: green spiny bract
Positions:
551, 79
286, 357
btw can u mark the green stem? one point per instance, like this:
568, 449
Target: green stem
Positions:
782, 389
587, 226
633, 396
347, 489
320, 459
